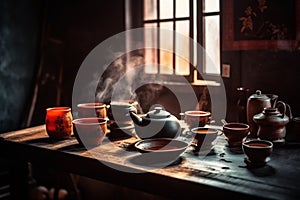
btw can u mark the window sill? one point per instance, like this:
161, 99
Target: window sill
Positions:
195, 83
185, 87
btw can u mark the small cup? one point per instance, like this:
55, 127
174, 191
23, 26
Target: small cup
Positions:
90, 131
59, 122
257, 151
204, 137
235, 133
196, 118
86, 110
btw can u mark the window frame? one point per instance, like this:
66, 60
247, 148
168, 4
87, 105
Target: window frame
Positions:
136, 16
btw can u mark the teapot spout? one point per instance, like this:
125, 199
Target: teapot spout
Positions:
135, 118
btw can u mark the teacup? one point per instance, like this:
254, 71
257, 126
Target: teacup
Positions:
204, 138
235, 133
59, 122
90, 131
257, 151
86, 110
119, 112
197, 118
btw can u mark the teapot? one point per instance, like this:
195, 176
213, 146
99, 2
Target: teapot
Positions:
157, 123
255, 105
272, 123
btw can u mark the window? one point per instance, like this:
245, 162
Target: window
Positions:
197, 19
211, 36
170, 15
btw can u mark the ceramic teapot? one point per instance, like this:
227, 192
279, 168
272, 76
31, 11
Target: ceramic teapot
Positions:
255, 105
157, 123
272, 123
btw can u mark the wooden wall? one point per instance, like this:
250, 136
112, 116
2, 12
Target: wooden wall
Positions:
270, 66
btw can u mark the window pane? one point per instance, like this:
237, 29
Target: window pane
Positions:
182, 48
166, 48
151, 54
182, 8
211, 6
212, 44
165, 9
182, 66
151, 61
150, 9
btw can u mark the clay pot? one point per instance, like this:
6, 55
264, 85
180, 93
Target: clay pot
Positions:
59, 122
255, 105
272, 123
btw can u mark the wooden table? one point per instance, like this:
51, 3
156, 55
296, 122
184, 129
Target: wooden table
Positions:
221, 173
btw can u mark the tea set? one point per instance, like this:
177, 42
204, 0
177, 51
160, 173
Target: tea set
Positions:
265, 127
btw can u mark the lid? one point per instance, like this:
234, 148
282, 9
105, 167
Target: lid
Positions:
158, 113
271, 111
259, 95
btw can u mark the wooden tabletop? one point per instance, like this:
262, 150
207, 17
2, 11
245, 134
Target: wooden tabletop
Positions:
220, 173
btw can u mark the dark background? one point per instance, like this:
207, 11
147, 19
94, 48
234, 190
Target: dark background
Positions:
278, 13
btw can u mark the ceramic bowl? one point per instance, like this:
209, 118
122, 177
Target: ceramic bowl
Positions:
235, 133
161, 149
257, 151
90, 131
204, 137
196, 118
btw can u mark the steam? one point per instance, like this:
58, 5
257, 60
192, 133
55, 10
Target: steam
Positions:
122, 78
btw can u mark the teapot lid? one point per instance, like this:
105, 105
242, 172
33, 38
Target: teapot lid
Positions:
270, 110
158, 113
259, 95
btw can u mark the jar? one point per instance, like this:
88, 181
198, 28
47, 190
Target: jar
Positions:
255, 105
272, 123
59, 122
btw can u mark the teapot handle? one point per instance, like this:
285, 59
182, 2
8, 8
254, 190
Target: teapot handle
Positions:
289, 111
282, 104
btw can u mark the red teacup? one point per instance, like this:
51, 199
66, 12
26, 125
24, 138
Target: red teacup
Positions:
59, 122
